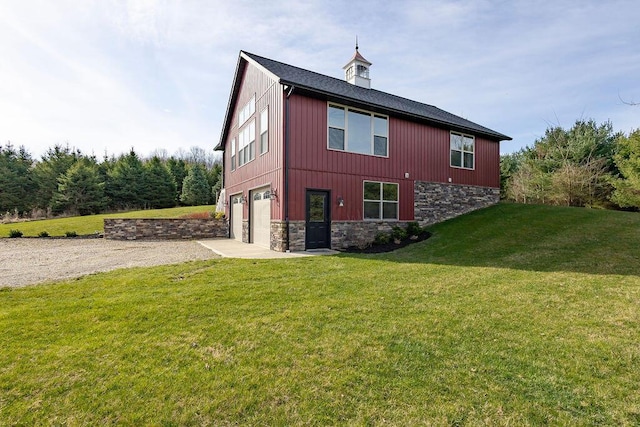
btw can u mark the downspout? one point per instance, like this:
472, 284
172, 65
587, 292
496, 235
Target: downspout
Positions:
287, 136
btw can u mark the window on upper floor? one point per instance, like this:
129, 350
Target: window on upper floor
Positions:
357, 131
264, 131
247, 143
233, 154
462, 151
380, 200
247, 111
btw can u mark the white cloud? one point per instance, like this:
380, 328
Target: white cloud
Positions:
157, 73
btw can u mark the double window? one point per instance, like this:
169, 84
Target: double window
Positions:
247, 146
358, 131
247, 136
462, 151
380, 200
247, 111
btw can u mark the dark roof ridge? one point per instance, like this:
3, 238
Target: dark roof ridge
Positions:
299, 68
340, 80
341, 89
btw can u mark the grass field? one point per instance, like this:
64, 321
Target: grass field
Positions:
513, 315
90, 224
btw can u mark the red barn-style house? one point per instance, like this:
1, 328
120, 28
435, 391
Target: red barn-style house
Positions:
311, 161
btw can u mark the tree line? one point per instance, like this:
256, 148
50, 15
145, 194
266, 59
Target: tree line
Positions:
586, 165
65, 181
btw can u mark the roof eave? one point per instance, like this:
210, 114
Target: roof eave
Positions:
243, 58
227, 116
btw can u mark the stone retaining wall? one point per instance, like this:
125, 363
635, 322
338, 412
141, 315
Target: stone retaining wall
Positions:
435, 202
165, 228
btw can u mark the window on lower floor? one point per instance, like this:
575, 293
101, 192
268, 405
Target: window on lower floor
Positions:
462, 151
380, 200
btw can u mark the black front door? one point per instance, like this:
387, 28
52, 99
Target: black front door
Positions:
318, 233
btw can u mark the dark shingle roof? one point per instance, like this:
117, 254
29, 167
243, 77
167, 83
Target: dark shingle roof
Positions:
341, 89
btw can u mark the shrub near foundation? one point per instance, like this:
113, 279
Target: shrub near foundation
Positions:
414, 229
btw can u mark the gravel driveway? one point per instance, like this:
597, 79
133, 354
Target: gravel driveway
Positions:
29, 261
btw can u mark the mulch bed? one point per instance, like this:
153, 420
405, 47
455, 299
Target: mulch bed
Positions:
388, 247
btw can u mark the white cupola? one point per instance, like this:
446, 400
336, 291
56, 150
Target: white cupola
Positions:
357, 70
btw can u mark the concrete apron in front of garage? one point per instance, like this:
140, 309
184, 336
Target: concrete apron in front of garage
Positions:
229, 248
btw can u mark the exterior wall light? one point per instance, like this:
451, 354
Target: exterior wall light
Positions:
340, 201
243, 199
273, 195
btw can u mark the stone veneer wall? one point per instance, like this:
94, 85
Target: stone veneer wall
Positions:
245, 231
435, 202
345, 234
279, 236
165, 228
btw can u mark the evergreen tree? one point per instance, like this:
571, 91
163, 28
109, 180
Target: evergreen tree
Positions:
627, 192
178, 169
160, 191
80, 190
195, 188
216, 186
125, 184
17, 186
53, 165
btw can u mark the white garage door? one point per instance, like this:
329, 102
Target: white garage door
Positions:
261, 217
236, 218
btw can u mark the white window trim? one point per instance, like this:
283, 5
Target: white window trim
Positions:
244, 137
234, 158
346, 130
463, 151
381, 201
247, 111
262, 131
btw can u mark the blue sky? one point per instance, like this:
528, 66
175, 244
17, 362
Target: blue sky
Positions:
107, 75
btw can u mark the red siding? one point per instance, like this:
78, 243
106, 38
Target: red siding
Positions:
417, 149
265, 169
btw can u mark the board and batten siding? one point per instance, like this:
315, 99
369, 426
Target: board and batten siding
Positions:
418, 149
264, 169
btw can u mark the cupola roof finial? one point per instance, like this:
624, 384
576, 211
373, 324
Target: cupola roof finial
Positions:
357, 69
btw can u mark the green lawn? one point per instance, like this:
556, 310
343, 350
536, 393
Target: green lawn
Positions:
90, 224
514, 315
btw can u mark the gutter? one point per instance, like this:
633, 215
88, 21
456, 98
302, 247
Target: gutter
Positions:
287, 136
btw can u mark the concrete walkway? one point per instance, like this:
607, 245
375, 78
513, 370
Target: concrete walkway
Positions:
229, 248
